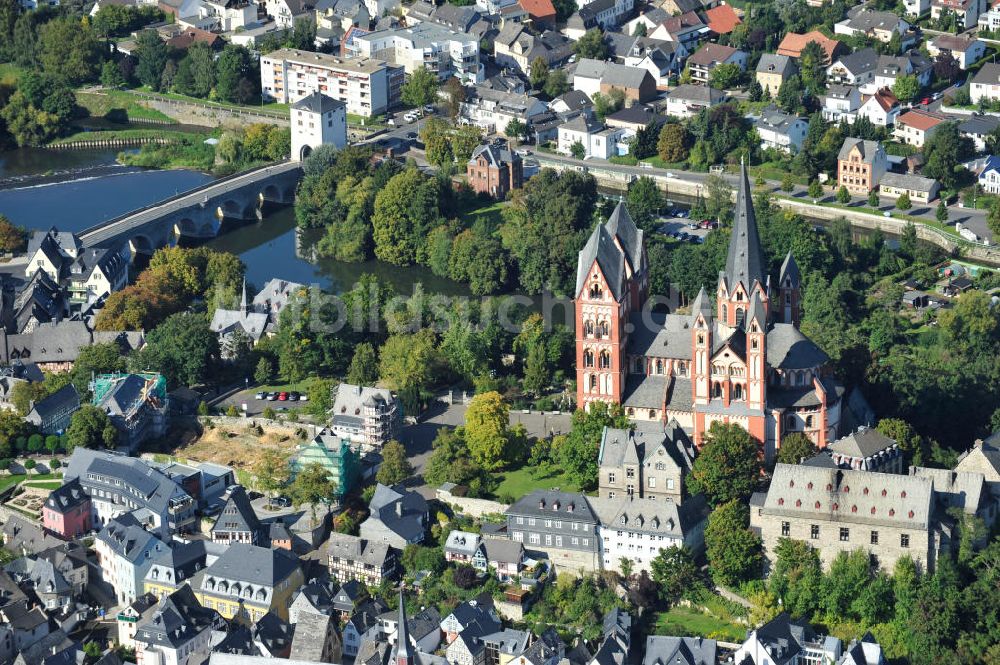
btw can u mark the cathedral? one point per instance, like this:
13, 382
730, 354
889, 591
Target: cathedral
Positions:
742, 360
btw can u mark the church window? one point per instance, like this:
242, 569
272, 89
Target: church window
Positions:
588, 358
737, 391
588, 328
740, 317
593, 382
682, 369
754, 344
652, 414
809, 421
603, 330
739, 296
788, 297
605, 360
701, 338
659, 366
716, 389
595, 292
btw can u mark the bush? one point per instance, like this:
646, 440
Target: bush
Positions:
5, 464
30, 464
55, 464
35, 443
545, 404
465, 577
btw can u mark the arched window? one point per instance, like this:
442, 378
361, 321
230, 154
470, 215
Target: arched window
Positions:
588, 328
593, 382
659, 366
753, 344
738, 391
604, 360
682, 369
603, 330
701, 338
652, 414
740, 317
809, 421
595, 292
588, 358
716, 389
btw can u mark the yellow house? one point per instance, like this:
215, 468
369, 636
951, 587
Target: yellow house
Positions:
773, 70
248, 581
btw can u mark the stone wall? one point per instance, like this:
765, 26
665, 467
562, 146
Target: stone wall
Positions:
471, 507
190, 113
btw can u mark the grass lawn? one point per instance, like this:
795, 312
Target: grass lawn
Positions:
273, 107
300, 387
491, 216
520, 482
7, 481
132, 134
45, 484
111, 105
689, 621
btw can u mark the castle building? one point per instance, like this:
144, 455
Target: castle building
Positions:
741, 361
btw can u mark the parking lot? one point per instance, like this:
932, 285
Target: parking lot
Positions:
680, 228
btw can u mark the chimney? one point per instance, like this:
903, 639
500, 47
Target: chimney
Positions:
399, 508
978, 443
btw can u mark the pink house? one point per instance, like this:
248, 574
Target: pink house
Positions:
67, 511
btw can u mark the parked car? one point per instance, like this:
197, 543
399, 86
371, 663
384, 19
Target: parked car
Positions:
272, 397
281, 501
260, 395
282, 397
670, 175
293, 396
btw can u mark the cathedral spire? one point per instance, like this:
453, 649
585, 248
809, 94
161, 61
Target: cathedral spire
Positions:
244, 306
402, 636
745, 261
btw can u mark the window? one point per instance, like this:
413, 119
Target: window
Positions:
531, 521
630, 472
670, 483
548, 524
786, 529
874, 537
520, 520
588, 358
904, 540
630, 489
814, 531
845, 534
574, 541
534, 538
652, 483
548, 539
611, 477
559, 541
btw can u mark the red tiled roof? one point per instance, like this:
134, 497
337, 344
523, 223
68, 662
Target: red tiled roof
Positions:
191, 36
538, 8
886, 99
722, 19
921, 120
711, 53
793, 43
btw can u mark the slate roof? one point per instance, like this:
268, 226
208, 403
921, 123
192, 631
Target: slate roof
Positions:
650, 515
611, 73
549, 503
22, 536
620, 225
462, 542
575, 100
319, 103
601, 248
776, 64
252, 565
788, 348
867, 148
789, 269
745, 260
777, 120
66, 497
711, 54
644, 443
979, 125
357, 549
865, 442
151, 486
663, 650
861, 497
871, 20
238, 516
908, 181
495, 155
988, 75
398, 509
503, 551
126, 538
697, 93
309, 639
176, 620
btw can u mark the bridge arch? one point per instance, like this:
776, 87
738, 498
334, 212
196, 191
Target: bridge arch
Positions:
271, 193
230, 208
207, 230
141, 244
185, 227
305, 152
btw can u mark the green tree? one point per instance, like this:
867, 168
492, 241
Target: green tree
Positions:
27, 124
486, 430
906, 88
592, 45
944, 151
797, 577
725, 76
182, 348
843, 196
732, 549
151, 58
728, 466
873, 200
420, 89
941, 214
101, 358
815, 190
812, 67
69, 49
270, 472
237, 77
409, 361
538, 74
796, 447
577, 150
90, 427
577, 451
264, 371
787, 182
555, 83
364, 365
311, 486
515, 129
903, 202
395, 466
672, 145
111, 75
536, 370
405, 212
644, 201
676, 574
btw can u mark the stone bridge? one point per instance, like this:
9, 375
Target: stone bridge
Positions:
201, 213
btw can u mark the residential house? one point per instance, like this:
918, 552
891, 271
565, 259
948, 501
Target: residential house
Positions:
988, 20
365, 415
855, 69
227, 15
494, 6
662, 59
916, 8
865, 449
773, 70
286, 12
495, 170
96, 273
22, 537
661, 649
349, 597
335, 454
492, 110
890, 68
315, 597
517, 47
233, 326
124, 553
722, 19
649, 461
173, 568
918, 188
790, 642
476, 611
54, 593
835, 510
686, 29
237, 523
368, 87
423, 629
597, 140
916, 126
616, 642
128, 618
541, 12
594, 76
117, 485
272, 636
966, 12
247, 582
434, 47
315, 639
881, 109
397, 517
633, 118
866, 651
860, 165
504, 557
176, 630
637, 529
461, 546
781, 131
561, 524
41, 301
841, 103
51, 415
52, 252
881, 26
604, 14
190, 36
986, 83
136, 404
67, 511
966, 50
710, 56
978, 127
275, 295
48, 344
363, 626
989, 177
687, 101
793, 43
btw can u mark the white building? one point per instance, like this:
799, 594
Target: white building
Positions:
597, 140
881, 109
856, 69
890, 68
176, 631
780, 130
317, 120
494, 109
228, 16
986, 83
687, 101
369, 416
125, 551
368, 87
434, 47
286, 12
841, 103
989, 177
966, 50
916, 8
782, 640
916, 126
877, 25
966, 12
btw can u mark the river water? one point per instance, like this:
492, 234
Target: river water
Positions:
75, 189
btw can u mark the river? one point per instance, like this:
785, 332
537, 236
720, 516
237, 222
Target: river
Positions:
75, 189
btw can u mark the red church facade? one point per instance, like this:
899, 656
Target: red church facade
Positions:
742, 360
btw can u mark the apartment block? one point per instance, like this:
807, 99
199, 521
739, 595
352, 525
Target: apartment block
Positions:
426, 45
368, 87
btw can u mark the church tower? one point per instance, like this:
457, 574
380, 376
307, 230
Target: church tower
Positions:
702, 331
789, 294
745, 270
